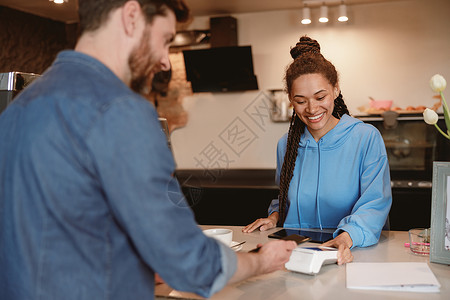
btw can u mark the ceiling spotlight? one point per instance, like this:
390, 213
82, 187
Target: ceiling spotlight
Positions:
343, 13
323, 14
306, 18
58, 1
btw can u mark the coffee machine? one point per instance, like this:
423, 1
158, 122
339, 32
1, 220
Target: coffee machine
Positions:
11, 83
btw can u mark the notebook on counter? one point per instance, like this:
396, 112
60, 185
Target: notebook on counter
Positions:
393, 276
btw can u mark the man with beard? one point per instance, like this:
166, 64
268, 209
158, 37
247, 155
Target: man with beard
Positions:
88, 205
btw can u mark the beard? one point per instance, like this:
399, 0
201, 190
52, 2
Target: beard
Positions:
142, 63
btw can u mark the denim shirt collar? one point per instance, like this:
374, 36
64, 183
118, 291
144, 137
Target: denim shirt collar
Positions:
76, 57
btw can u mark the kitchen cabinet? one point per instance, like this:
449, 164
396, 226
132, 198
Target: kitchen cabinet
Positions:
228, 197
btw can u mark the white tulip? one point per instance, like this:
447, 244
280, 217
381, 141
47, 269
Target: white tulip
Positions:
430, 116
438, 83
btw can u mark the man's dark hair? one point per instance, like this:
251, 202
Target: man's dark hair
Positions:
93, 13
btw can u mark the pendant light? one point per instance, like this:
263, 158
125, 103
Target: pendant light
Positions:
323, 14
343, 13
306, 15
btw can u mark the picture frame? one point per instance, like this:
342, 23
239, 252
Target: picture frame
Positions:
440, 214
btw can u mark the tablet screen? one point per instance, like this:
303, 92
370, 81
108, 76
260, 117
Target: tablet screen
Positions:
316, 236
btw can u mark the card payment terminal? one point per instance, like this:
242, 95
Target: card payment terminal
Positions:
309, 260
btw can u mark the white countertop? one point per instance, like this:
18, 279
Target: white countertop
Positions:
329, 283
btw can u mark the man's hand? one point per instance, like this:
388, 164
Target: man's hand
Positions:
270, 257
342, 242
274, 255
263, 224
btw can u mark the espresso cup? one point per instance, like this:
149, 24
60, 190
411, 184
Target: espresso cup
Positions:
220, 234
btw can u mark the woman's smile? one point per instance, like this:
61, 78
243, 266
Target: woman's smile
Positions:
316, 118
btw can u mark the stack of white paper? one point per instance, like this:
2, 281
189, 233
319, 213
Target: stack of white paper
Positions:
394, 276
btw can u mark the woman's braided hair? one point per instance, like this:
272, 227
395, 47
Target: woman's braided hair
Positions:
307, 60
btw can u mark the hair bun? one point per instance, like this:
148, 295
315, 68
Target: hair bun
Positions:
305, 45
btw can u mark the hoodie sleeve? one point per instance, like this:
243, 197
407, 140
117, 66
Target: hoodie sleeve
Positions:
370, 212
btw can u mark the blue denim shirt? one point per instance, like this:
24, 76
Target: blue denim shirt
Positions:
89, 208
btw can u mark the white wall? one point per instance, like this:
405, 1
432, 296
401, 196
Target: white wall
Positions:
386, 51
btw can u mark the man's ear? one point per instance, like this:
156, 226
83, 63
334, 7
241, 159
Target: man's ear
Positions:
131, 12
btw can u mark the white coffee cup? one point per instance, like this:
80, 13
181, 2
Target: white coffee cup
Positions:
220, 234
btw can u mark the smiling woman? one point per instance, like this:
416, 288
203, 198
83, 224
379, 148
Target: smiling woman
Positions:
332, 169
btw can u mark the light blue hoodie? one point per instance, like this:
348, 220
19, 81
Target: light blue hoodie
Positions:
342, 181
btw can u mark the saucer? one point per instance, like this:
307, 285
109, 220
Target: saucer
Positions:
236, 248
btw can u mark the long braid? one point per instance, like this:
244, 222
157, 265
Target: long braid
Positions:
296, 129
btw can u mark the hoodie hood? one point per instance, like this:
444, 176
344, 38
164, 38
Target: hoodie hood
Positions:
334, 138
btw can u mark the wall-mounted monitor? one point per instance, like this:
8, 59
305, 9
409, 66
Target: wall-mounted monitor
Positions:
221, 69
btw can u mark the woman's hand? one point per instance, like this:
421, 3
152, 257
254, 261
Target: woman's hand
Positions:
263, 224
343, 243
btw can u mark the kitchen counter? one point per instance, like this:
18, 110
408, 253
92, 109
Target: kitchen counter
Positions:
329, 283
